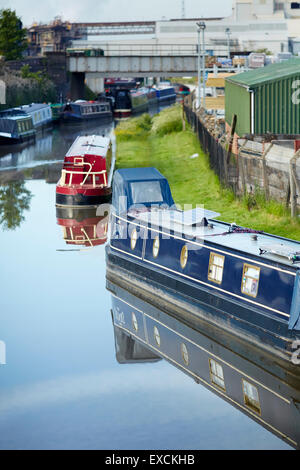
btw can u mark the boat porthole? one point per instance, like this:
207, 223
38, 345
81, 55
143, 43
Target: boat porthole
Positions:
184, 354
184, 256
156, 336
133, 239
134, 322
155, 248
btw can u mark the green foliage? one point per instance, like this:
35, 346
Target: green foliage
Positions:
264, 51
89, 95
14, 199
31, 88
38, 76
12, 36
192, 180
145, 122
167, 121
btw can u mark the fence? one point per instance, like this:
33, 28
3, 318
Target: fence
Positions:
271, 166
221, 160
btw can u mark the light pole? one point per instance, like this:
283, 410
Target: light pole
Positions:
201, 63
228, 33
199, 67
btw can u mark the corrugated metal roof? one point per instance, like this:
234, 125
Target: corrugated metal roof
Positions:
268, 73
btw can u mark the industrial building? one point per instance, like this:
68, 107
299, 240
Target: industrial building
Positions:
265, 100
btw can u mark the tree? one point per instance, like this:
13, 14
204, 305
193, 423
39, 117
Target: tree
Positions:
12, 35
14, 199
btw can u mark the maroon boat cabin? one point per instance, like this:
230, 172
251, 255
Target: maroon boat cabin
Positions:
87, 172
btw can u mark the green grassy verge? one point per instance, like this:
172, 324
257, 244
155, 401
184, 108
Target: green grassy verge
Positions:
161, 142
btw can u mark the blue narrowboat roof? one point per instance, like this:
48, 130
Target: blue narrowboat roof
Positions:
140, 174
34, 107
24, 110
15, 117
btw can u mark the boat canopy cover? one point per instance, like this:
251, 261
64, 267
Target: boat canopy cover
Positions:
140, 186
294, 322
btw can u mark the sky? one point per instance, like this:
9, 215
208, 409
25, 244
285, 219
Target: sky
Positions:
114, 10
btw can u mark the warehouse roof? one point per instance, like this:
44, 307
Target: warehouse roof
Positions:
268, 73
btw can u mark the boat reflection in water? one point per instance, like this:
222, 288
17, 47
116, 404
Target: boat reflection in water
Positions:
84, 226
232, 369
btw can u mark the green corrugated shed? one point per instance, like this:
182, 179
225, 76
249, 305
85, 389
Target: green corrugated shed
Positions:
265, 100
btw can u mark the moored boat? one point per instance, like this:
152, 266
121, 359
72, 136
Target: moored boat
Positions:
165, 94
16, 128
56, 109
41, 114
87, 172
81, 110
181, 89
248, 281
129, 102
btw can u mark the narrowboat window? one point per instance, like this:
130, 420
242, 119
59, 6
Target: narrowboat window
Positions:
250, 280
146, 192
216, 267
216, 373
156, 336
134, 322
251, 397
184, 256
155, 248
184, 354
133, 239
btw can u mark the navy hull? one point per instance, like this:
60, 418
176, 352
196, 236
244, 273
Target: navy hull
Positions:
235, 277
275, 391
263, 330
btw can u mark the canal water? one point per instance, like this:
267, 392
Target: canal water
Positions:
61, 386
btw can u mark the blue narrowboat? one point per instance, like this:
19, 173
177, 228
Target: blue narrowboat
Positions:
165, 94
236, 278
41, 114
81, 110
16, 128
239, 374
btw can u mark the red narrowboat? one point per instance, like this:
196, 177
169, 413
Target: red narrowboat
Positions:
87, 172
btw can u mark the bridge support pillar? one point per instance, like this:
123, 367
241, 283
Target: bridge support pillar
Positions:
77, 86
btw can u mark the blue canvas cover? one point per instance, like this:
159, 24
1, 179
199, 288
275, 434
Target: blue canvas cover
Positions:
294, 322
134, 186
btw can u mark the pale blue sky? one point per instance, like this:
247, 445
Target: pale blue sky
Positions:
115, 10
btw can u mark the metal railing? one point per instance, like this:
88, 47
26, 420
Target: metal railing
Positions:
88, 173
153, 49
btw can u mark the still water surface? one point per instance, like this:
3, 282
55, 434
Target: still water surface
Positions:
62, 387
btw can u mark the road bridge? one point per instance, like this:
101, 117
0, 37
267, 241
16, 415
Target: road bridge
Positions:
133, 60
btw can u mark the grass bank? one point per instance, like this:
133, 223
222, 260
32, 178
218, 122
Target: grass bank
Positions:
161, 142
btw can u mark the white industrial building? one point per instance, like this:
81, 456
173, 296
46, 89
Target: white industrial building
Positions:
253, 25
